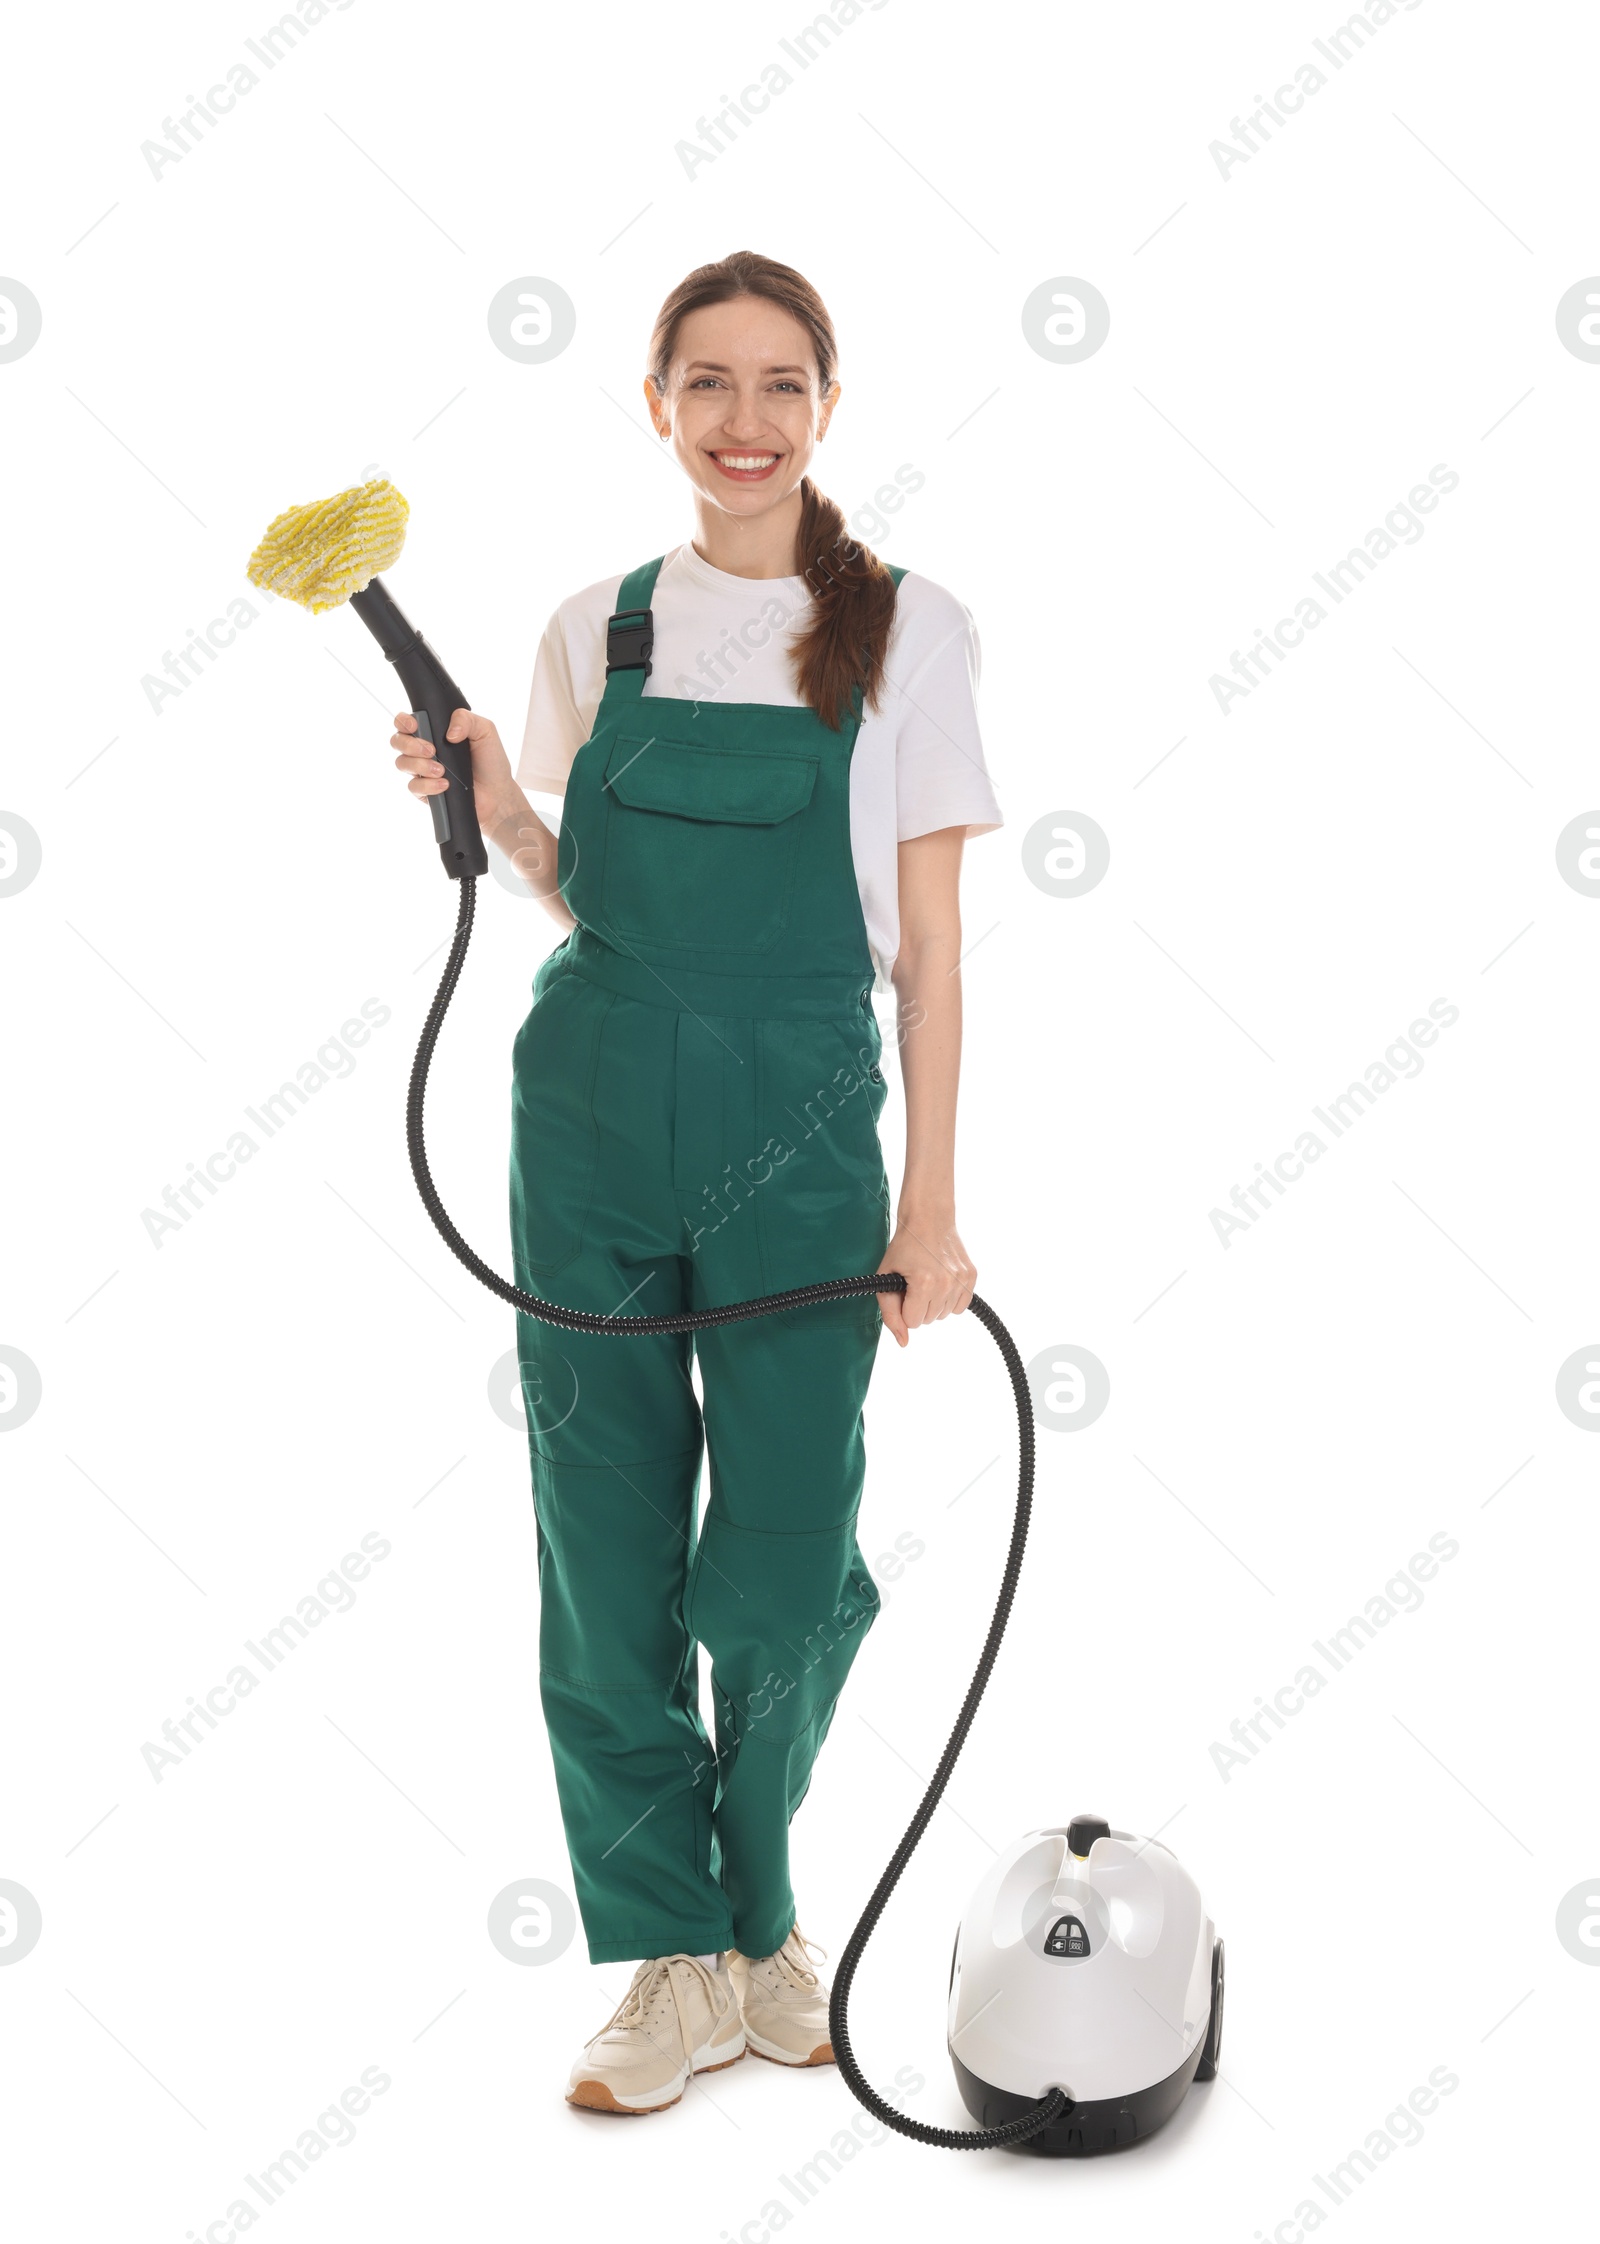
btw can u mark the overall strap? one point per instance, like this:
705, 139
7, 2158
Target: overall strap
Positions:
630, 634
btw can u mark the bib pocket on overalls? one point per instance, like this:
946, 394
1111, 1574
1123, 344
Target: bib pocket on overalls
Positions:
700, 843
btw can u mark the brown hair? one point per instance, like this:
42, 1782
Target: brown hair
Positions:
844, 644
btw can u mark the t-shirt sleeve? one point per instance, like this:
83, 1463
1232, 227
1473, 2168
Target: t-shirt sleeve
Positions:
556, 728
941, 778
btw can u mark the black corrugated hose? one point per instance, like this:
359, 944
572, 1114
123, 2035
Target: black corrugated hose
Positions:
1054, 2104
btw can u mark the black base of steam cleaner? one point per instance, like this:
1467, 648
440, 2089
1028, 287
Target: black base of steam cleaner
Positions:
1086, 1982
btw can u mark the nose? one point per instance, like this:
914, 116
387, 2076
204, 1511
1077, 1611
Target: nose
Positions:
745, 419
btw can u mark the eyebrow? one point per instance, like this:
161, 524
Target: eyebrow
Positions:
713, 366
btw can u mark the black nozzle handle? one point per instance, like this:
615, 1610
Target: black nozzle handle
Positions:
434, 697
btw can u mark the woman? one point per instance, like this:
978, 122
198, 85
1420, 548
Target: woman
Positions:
770, 759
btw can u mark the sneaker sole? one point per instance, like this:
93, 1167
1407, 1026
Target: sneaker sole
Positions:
821, 2055
595, 2096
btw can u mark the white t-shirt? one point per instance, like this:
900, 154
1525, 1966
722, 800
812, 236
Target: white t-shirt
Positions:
917, 764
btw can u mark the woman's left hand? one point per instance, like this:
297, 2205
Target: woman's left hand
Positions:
938, 1271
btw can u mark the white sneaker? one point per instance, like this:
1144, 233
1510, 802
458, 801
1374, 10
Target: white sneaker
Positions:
784, 2003
679, 2017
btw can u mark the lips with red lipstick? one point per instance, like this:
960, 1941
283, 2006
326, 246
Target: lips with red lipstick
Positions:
746, 467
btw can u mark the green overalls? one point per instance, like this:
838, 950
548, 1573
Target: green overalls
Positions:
695, 1106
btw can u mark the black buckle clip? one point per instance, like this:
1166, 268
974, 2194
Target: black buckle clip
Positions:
630, 640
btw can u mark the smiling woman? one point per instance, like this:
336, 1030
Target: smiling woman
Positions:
733, 875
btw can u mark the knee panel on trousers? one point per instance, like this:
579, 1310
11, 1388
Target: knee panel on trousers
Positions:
613, 1559
781, 1616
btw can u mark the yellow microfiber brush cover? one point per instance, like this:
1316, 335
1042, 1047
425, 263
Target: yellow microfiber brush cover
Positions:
321, 553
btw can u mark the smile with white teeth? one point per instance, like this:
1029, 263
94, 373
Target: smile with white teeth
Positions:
745, 460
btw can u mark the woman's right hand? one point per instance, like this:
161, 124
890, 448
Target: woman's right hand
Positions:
507, 821
492, 783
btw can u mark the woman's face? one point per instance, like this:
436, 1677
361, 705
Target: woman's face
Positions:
742, 406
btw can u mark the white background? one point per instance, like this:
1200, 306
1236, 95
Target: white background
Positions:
1291, 349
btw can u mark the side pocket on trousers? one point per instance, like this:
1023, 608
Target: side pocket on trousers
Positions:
826, 1212
865, 1049
555, 1141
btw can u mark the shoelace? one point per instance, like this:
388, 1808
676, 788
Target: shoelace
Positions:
792, 1960
632, 2009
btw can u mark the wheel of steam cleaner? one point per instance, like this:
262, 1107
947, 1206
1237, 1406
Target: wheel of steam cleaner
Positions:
329, 552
